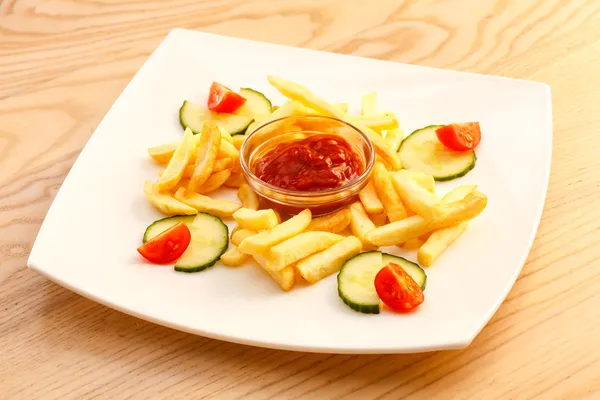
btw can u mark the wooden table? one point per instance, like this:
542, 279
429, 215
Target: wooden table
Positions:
63, 63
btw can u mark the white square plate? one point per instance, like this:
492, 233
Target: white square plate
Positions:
101, 212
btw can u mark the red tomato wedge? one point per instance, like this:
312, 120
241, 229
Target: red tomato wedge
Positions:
460, 137
168, 246
397, 289
224, 100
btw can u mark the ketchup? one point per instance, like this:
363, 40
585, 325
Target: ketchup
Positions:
316, 163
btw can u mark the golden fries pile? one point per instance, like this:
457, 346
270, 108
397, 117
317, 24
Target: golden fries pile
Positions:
195, 166
434, 224
290, 250
397, 207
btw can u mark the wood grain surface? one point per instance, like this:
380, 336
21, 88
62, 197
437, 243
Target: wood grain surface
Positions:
63, 63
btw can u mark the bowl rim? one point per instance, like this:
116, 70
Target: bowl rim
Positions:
298, 193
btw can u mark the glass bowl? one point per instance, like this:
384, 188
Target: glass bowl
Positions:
289, 129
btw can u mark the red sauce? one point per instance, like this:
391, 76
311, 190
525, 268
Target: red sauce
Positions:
316, 163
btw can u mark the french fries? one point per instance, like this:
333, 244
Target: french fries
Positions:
370, 201
184, 183
225, 135
235, 180
378, 219
458, 193
361, 225
255, 220
285, 278
215, 181
392, 203
334, 223
220, 164
398, 232
386, 164
234, 258
413, 244
380, 145
239, 235
236, 166
219, 208
447, 214
441, 239
247, 196
263, 241
162, 154
379, 122
329, 261
424, 180
394, 138
288, 109
414, 196
181, 157
165, 201
206, 154
369, 104
238, 140
438, 242
227, 150
295, 91
341, 107
234, 230
298, 247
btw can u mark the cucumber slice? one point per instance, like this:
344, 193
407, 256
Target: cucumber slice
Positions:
161, 225
193, 116
411, 268
356, 282
422, 151
257, 105
210, 238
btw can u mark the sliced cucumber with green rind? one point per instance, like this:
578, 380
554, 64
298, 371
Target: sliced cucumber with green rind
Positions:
356, 279
193, 116
161, 225
415, 272
356, 282
257, 105
210, 239
423, 151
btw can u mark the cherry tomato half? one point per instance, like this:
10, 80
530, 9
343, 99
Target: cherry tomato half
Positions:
397, 289
168, 246
224, 100
460, 137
